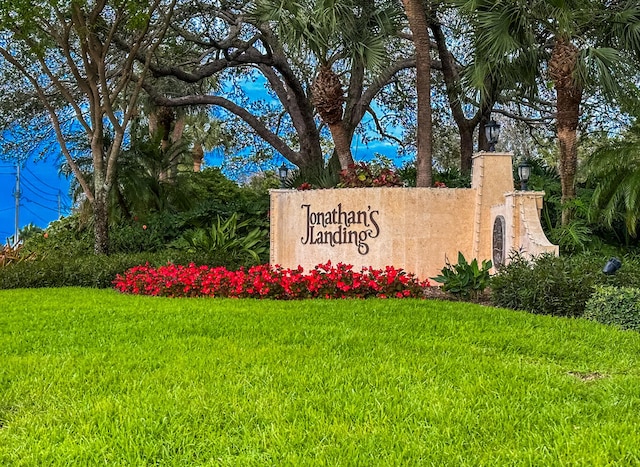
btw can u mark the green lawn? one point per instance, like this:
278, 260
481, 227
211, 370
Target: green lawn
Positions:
92, 377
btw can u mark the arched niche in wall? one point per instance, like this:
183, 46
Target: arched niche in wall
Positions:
498, 246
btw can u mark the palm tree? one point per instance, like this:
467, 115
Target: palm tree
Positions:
205, 133
580, 46
170, 123
331, 31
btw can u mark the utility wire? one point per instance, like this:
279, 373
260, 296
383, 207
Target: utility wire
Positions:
41, 205
38, 193
39, 179
51, 193
65, 208
29, 187
35, 214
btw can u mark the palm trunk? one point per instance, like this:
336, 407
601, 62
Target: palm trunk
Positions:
417, 17
328, 98
197, 153
562, 66
567, 122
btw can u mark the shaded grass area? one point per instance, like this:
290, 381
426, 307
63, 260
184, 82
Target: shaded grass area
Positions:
92, 377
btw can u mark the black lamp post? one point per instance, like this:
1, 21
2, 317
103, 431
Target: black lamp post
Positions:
283, 173
492, 131
524, 172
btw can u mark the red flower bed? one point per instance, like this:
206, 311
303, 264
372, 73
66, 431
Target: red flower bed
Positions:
265, 281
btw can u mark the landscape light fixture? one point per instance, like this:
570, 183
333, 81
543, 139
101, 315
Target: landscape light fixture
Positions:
492, 131
612, 266
524, 172
283, 173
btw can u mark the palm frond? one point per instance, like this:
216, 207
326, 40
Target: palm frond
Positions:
616, 167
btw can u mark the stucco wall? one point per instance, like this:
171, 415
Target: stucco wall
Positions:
416, 229
411, 228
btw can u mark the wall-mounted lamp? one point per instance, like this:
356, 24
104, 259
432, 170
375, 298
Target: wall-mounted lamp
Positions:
283, 173
492, 132
524, 173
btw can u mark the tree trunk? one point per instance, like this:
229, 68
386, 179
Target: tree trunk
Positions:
101, 223
483, 143
567, 122
562, 66
466, 148
418, 23
342, 144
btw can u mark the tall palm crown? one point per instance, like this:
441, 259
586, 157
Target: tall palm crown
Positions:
326, 32
578, 45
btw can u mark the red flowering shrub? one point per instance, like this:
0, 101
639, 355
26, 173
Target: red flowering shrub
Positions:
265, 281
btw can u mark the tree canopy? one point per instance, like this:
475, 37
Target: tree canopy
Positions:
323, 68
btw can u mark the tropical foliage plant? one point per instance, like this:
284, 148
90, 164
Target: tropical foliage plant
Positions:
227, 237
615, 168
464, 279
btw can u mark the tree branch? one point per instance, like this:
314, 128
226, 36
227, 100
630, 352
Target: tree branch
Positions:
274, 140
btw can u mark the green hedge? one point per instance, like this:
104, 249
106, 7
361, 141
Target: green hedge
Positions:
95, 271
553, 285
619, 306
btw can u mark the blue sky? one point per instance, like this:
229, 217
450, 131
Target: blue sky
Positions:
43, 195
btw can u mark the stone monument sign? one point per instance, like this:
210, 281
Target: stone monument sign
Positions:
416, 229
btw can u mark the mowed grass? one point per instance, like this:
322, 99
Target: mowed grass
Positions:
91, 377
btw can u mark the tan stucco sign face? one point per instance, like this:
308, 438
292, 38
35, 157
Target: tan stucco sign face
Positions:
340, 226
416, 229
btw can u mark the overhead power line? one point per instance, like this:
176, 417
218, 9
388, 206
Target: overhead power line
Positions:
40, 180
49, 208
38, 189
35, 214
34, 190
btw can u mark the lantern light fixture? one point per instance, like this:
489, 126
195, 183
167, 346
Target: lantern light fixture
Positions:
492, 132
524, 173
283, 174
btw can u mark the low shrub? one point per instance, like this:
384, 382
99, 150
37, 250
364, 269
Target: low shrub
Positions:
619, 306
95, 271
265, 281
556, 285
68, 236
